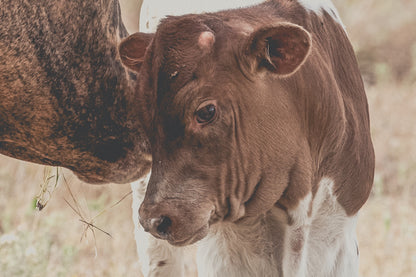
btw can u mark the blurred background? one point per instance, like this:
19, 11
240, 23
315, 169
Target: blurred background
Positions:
57, 241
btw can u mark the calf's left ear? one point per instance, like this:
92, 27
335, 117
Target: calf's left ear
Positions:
281, 49
133, 48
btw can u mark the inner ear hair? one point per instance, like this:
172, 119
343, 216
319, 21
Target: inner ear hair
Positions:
133, 48
281, 49
268, 63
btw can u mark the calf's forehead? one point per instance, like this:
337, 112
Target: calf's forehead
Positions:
192, 50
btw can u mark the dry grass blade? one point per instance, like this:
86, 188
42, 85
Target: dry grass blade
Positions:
72, 207
50, 182
77, 210
112, 206
89, 224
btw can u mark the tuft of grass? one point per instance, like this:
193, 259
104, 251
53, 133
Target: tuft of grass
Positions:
392, 109
51, 178
386, 229
53, 234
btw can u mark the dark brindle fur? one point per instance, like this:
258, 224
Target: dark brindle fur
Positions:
66, 100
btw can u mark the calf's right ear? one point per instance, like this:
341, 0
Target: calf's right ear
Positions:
133, 48
281, 49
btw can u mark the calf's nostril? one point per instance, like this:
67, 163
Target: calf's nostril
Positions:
163, 226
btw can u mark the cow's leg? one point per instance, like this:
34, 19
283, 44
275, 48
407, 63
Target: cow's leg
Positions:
348, 255
332, 242
156, 257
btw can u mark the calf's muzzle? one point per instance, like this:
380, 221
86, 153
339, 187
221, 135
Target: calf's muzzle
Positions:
179, 221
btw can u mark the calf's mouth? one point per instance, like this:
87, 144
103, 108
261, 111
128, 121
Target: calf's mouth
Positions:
178, 223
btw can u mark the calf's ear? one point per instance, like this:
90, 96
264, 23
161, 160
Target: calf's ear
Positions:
281, 49
133, 48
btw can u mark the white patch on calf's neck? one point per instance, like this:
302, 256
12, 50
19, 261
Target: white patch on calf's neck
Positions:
295, 243
317, 6
332, 237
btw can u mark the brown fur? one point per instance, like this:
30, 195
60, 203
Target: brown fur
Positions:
66, 99
291, 109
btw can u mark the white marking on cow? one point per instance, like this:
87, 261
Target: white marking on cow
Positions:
154, 10
241, 26
317, 6
130, 13
295, 252
142, 238
206, 40
157, 257
236, 251
332, 237
322, 243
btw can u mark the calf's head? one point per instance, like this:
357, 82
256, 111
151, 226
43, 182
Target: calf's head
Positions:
223, 130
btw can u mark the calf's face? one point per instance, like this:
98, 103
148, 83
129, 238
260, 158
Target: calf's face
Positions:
222, 130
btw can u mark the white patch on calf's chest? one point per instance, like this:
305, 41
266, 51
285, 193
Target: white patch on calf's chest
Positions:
244, 250
318, 240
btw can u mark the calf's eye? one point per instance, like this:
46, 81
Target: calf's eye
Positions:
206, 114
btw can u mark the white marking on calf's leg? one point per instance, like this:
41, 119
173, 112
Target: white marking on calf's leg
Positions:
348, 257
332, 238
323, 243
295, 243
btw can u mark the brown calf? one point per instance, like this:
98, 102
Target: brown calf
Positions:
256, 117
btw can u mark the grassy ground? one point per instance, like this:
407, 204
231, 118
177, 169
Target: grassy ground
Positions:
387, 224
386, 48
54, 242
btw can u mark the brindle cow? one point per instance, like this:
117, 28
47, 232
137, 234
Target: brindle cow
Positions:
259, 131
66, 99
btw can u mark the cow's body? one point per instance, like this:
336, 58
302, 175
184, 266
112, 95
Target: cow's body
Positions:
289, 176
66, 101
64, 94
